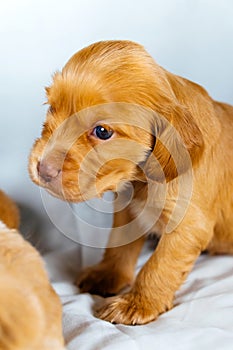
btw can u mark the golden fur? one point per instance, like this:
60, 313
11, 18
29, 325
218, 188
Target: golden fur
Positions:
145, 152
30, 311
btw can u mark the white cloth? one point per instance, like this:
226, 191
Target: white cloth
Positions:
2, 225
202, 318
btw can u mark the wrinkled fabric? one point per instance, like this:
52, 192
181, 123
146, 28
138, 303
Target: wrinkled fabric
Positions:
201, 319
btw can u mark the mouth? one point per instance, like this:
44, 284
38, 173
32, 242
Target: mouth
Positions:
56, 188
66, 185
59, 193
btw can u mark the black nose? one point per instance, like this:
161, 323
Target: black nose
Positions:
47, 171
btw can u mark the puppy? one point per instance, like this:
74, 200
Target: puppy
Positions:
118, 121
30, 311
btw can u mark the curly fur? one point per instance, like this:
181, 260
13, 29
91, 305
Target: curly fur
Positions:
30, 311
145, 152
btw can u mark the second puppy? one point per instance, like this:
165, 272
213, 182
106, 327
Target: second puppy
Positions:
30, 310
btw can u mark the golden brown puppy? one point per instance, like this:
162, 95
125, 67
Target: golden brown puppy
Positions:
117, 118
30, 311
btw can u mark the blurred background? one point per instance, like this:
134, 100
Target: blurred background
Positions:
192, 38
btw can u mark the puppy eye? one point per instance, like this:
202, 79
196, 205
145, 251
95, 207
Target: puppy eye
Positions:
102, 133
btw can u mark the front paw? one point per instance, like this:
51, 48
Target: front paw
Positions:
103, 279
130, 309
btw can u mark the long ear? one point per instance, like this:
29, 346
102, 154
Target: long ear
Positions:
178, 145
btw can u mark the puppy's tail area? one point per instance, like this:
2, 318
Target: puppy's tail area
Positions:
21, 317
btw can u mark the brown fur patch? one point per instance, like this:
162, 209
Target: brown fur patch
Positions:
171, 140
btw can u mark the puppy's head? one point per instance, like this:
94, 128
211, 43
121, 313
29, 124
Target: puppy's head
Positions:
103, 124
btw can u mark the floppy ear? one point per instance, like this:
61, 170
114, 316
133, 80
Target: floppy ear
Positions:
178, 145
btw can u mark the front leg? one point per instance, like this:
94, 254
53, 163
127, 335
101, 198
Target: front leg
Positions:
116, 270
155, 286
